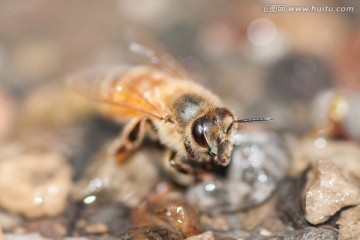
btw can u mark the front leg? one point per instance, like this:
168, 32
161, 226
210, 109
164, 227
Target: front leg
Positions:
176, 161
131, 138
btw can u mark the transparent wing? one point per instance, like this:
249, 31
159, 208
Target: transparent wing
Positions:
120, 94
150, 52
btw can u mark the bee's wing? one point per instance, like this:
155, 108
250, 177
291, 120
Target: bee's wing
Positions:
118, 96
150, 52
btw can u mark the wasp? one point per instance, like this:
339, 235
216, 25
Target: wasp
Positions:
159, 99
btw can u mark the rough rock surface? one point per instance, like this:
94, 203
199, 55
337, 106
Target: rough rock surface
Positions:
349, 223
327, 191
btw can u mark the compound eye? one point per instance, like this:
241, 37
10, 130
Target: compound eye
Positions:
198, 133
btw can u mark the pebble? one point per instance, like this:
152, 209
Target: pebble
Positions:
34, 183
121, 182
150, 233
328, 189
349, 223
171, 211
259, 161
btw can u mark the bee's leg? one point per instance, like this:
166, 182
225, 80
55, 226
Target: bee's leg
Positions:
131, 138
176, 161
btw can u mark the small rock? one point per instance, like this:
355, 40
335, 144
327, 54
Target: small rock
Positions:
150, 233
259, 161
204, 236
169, 211
349, 223
121, 182
328, 189
34, 184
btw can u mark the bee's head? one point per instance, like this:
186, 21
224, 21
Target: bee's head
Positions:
212, 134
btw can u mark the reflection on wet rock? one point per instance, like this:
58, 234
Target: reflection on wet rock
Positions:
127, 183
328, 189
171, 211
34, 183
259, 161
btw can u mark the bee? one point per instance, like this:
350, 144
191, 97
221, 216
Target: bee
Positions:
160, 99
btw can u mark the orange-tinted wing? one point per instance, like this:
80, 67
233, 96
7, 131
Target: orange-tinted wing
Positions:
124, 92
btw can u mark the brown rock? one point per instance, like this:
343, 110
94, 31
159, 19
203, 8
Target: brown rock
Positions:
328, 189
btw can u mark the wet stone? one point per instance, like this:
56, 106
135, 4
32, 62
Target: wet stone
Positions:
259, 161
328, 189
34, 183
150, 233
171, 211
122, 183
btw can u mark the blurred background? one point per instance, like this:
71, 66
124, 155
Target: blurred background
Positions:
263, 60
